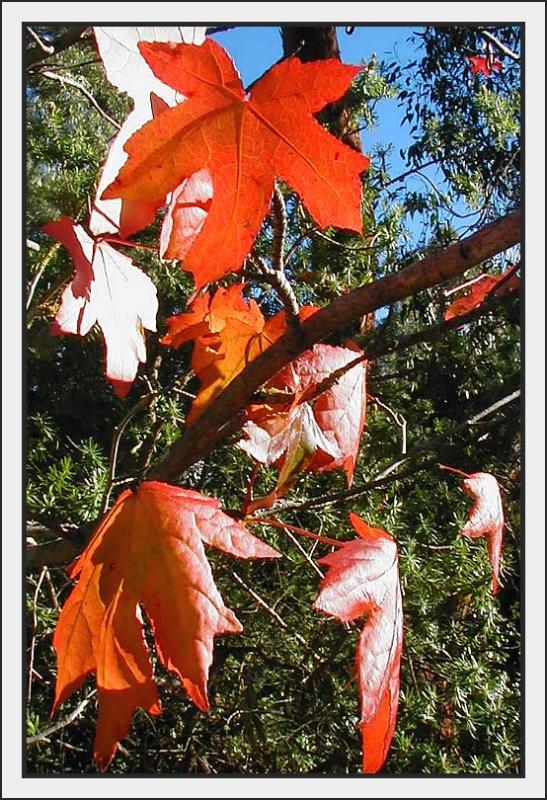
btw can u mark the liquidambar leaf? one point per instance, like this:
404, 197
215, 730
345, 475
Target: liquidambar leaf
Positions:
127, 70
363, 580
486, 517
315, 430
480, 291
244, 143
107, 289
485, 65
148, 550
229, 333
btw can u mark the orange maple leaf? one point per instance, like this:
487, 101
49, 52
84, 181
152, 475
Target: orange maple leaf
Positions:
481, 290
319, 430
148, 549
244, 143
229, 333
486, 517
363, 580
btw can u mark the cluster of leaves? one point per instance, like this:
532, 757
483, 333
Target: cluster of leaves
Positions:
243, 735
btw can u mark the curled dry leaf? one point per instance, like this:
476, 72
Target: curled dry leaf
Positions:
486, 517
244, 143
147, 550
107, 289
363, 580
127, 70
309, 424
480, 291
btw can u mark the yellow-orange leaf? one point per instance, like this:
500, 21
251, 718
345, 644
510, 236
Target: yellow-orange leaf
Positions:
148, 550
244, 143
237, 334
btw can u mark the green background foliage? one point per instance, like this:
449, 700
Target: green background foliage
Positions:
284, 699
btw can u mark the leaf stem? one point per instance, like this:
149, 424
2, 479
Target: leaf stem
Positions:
454, 470
300, 531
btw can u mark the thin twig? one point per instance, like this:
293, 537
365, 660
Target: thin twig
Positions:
110, 239
279, 229
382, 479
144, 401
34, 626
453, 470
279, 281
68, 81
300, 531
273, 614
396, 417
47, 48
303, 551
404, 175
47, 732
503, 47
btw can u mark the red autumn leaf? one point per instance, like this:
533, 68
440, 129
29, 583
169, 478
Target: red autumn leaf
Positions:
147, 550
244, 143
127, 70
107, 289
480, 291
229, 333
486, 517
318, 432
485, 65
363, 580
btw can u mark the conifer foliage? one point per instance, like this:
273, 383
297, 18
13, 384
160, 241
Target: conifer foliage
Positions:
225, 184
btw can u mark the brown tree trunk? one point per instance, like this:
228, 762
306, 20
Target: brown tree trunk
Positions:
315, 44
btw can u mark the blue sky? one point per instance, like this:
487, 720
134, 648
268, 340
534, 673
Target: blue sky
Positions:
254, 49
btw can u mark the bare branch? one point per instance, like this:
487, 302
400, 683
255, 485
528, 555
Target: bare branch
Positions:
46, 48
210, 428
144, 402
42, 51
280, 282
502, 47
44, 735
68, 81
383, 479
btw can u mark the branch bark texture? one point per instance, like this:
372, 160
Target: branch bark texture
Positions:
217, 420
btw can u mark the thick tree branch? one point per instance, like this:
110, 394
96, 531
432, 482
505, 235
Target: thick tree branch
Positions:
376, 349
212, 426
40, 52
